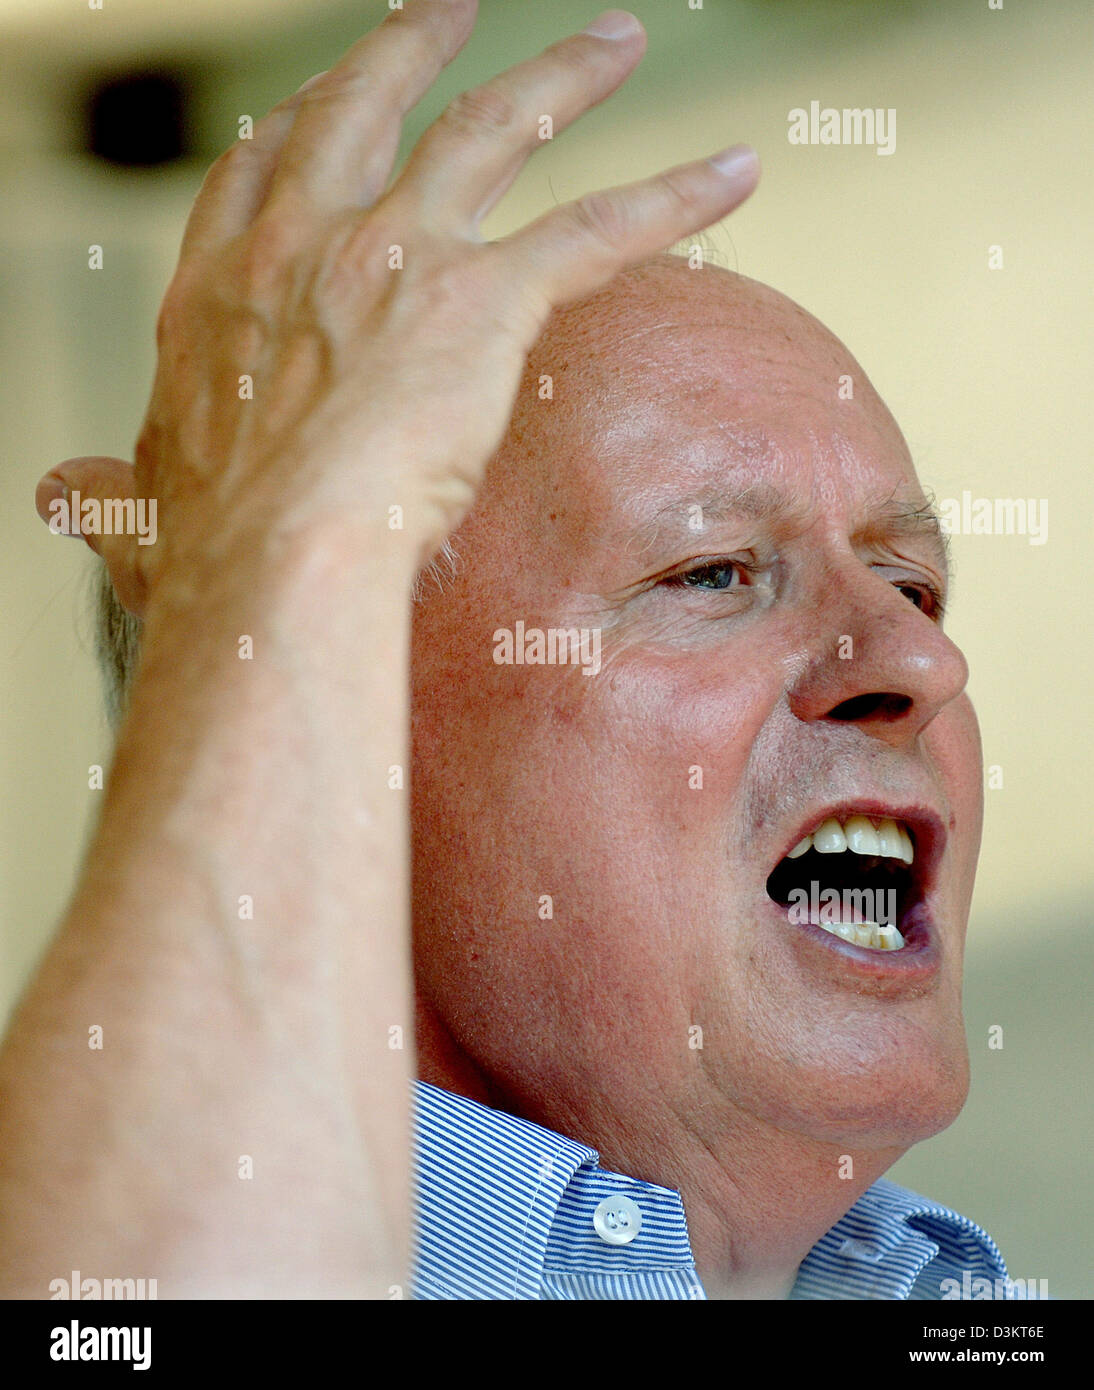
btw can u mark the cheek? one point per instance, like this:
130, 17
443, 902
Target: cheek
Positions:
680, 709
612, 793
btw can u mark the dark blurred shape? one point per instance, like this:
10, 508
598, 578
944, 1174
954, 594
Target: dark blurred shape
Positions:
139, 118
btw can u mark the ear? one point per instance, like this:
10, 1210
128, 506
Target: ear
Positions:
100, 478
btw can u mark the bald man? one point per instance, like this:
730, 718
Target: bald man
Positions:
692, 792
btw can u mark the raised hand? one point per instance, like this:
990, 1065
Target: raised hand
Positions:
328, 348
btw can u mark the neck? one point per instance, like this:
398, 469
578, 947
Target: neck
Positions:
757, 1198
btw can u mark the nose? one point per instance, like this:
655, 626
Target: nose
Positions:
876, 661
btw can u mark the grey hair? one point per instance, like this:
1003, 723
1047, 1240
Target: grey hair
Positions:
117, 646
441, 570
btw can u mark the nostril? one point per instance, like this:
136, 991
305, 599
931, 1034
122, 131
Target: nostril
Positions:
879, 704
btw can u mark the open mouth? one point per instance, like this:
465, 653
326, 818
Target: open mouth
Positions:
853, 877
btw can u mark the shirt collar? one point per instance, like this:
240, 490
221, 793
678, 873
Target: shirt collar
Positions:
895, 1244
488, 1186
506, 1209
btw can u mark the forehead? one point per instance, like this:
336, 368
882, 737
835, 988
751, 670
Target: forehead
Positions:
688, 389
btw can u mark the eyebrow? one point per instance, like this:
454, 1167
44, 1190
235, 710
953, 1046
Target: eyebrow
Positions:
898, 518
888, 519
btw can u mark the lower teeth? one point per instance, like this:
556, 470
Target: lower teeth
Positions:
868, 934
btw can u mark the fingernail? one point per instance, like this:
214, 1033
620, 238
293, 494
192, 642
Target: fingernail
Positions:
613, 24
738, 163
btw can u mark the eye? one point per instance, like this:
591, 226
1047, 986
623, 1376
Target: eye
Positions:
926, 598
713, 575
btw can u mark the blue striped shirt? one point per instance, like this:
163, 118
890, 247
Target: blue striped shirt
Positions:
506, 1209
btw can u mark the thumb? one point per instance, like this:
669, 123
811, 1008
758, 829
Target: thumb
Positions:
95, 498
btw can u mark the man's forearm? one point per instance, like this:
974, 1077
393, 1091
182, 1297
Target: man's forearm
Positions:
239, 936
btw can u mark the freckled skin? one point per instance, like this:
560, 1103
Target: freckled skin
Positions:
532, 780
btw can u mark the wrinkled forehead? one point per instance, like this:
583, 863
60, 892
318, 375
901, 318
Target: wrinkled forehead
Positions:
676, 392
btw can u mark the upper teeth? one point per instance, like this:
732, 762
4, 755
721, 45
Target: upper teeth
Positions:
888, 838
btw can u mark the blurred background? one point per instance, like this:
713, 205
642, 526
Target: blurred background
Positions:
109, 118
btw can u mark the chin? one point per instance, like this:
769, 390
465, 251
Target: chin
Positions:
878, 1087
894, 1106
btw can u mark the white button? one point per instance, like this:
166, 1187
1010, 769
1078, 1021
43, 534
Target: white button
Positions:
617, 1220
